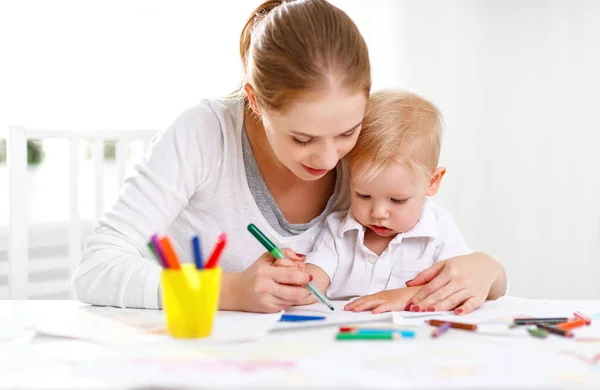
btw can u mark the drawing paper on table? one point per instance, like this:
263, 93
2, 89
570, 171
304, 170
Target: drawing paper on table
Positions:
130, 326
500, 311
337, 317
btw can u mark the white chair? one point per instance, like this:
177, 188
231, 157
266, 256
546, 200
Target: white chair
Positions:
19, 266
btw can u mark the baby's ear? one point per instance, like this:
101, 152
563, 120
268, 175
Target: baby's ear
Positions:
435, 181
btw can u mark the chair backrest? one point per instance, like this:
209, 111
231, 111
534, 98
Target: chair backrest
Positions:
19, 265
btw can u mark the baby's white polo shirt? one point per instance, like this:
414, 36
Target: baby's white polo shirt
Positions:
356, 271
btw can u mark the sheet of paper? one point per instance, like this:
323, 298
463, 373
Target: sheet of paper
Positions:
130, 326
501, 311
337, 317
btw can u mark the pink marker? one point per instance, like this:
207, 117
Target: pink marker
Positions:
583, 317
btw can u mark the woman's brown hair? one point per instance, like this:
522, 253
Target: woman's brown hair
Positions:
291, 48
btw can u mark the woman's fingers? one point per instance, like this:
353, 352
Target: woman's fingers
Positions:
290, 254
416, 302
287, 275
290, 294
432, 302
292, 259
426, 275
451, 301
285, 262
469, 305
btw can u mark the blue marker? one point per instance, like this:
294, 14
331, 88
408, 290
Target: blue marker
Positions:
404, 333
197, 252
299, 318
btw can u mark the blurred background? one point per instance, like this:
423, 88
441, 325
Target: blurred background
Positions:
516, 80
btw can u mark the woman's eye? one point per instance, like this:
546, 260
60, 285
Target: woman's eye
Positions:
302, 142
348, 134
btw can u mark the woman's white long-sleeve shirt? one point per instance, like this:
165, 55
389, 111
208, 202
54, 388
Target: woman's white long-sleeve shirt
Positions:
191, 181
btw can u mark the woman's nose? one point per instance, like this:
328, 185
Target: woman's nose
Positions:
329, 156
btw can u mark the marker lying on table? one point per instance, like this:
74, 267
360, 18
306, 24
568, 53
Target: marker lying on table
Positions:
440, 330
278, 254
556, 331
572, 324
533, 321
407, 334
585, 318
540, 333
455, 325
368, 336
299, 318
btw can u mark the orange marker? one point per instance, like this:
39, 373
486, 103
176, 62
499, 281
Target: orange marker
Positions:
169, 252
572, 324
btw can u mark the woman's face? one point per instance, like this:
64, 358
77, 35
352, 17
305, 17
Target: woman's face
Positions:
312, 135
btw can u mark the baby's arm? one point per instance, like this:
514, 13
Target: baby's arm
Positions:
322, 262
384, 301
320, 279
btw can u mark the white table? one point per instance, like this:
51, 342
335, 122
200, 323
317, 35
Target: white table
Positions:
307, 358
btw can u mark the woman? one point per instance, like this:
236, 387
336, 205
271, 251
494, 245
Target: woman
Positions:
270, 156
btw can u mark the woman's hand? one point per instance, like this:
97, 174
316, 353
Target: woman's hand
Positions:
291, 259
266, 286
384, 301
461, 284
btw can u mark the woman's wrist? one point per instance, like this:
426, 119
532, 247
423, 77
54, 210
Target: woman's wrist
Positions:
498, 287
229, 293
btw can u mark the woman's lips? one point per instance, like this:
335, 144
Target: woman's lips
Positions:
313, 171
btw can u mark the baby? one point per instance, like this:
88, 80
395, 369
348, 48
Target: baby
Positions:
392, 230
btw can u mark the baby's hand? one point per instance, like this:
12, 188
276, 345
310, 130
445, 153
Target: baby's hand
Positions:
292, 259
381, 302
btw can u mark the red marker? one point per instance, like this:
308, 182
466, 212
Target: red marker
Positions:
216, 254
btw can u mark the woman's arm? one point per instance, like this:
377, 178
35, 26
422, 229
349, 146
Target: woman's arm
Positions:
115, 268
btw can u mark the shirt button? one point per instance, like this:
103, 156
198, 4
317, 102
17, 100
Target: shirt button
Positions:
372, 259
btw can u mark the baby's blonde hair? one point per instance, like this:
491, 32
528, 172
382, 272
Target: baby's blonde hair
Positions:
399, 126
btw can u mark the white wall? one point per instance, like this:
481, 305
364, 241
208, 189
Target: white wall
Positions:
516, 80
518, 84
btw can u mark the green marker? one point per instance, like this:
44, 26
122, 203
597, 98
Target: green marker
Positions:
278, 254
538, 333
367, 336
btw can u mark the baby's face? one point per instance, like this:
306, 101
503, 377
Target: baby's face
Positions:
392, 202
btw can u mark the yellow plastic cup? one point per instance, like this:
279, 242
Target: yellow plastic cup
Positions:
190, 300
